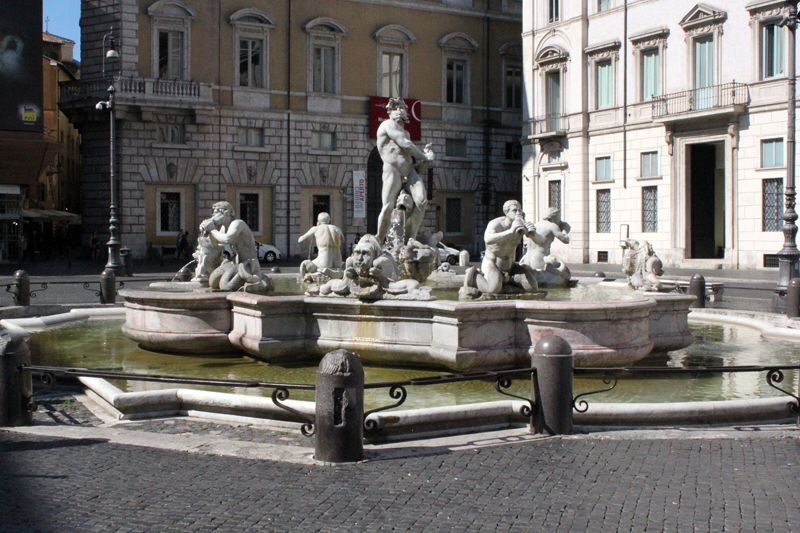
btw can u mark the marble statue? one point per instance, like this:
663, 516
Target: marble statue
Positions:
499, 272
208, 256
243, 270
400, 173
643, 267
328, 239
549, 268
371, 274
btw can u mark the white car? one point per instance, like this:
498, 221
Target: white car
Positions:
448, 254
266, 252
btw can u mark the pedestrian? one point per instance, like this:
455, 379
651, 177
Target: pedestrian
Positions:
183, 244
94, 246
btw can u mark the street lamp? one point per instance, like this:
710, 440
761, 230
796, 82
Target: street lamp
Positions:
114, 259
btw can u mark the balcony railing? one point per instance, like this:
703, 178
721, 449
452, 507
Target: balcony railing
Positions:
556, 124
707, 98
138, 88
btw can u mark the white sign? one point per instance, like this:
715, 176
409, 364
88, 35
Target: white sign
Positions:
359, 194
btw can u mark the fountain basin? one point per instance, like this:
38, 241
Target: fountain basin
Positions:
179, 322
456, 336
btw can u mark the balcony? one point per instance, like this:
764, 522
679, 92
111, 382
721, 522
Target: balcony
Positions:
726, 99
549, 126
139, 91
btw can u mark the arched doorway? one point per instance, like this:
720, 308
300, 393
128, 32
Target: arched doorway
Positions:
374, 186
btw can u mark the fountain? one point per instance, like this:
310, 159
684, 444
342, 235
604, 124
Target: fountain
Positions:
375, 305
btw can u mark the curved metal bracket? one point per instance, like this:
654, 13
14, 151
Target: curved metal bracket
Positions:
281, 394
504, 382
87, 286
776, 376
583, 406
49, 380
397, 392
43, 288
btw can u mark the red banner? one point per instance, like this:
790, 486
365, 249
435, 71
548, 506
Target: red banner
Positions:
377, 114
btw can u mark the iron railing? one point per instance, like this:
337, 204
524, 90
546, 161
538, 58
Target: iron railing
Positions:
610, 376
707, 98
556, 124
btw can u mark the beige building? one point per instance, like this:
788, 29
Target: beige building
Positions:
266, 103
665, 120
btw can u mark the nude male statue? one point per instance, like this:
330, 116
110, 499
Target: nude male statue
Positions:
499, 271
399, 171
550, 228
329, 239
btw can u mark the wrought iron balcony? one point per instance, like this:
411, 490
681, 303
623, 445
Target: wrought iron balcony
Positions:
139, 89
698, 100
550, 125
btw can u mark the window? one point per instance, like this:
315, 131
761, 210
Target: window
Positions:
603, 5
170, 55
651, 74
455, 81
253, 137
248, 210
603, 210
704, 72
170, 212
320, 203
323, 140
513, 151
772, 192
324, 69
605, 84
772, 50
171, 27
649, 209
649, 165
324, 39
602, 169
455, 147
391, 75
552, 84
513, 86
553, 10
772, 153
452, 215
251, 42
250, 63
554, 194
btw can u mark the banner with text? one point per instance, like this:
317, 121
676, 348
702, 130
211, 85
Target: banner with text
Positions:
359, 194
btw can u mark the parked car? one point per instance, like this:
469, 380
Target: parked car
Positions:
446, 253
266, 252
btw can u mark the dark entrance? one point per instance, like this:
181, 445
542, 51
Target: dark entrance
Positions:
707, 193
374, 187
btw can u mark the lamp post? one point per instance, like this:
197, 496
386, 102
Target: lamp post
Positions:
114, 259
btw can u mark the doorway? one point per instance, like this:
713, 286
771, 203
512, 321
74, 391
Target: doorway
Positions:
374, 187
707, 201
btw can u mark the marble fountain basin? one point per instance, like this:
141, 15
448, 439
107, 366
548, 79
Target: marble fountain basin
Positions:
455, 336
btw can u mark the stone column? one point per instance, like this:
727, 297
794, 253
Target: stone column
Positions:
15, 383
552, 386
339, 432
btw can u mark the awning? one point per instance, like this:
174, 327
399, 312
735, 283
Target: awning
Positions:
50, 214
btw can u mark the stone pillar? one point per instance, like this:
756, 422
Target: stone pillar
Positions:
339, 432
108, 287
552, 386
15, 383
463, 258
793, 298
697, 288
23, 288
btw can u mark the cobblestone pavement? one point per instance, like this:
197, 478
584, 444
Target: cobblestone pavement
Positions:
553, 485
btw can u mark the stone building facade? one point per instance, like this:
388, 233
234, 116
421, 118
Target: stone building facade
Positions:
665, 120
266, 103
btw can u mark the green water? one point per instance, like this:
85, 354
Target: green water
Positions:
101, 345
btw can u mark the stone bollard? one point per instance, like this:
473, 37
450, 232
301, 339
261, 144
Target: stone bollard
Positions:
185, 273
22, 296
599, 274
697, 288
552, 386
108, 287
339, 432
127, 260
793, 298
15, 383
463, 258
